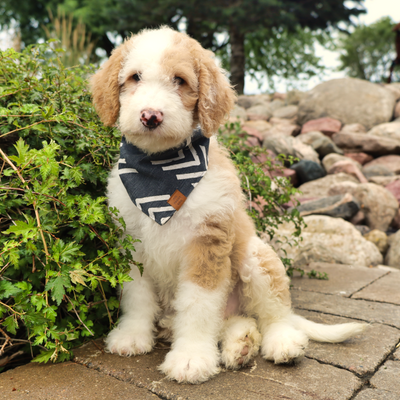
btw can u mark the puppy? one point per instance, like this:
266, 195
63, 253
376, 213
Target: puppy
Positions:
208, 280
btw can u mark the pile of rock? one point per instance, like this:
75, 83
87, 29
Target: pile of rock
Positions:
346, 135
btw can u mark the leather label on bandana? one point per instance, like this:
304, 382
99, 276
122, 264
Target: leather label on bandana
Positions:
177, 199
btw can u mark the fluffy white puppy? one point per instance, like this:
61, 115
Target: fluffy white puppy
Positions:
208, 279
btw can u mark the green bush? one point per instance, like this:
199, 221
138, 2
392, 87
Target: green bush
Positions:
61, 254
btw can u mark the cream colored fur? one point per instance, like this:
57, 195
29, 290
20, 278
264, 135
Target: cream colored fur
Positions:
208, 252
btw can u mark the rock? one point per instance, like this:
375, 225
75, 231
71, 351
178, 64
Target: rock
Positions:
307, 170
357, 221
253, 141
350, 101
341, 206
397, 110
286, 173
261, 126
275, 104
342, 188
245, 101
375, 145
327, 126
389, 130
348, 167
254, 132
279, 96
391, 162
384, 180
316, 252
378, 204
283, 130
322, 144
379, 239
293, 97
238, 112
320, 187
394, 188
259, 111
396, 221
376, 170
290, 146
341, 241
361, 158
353, 128
393, 255
331, 159
286, 112
395, 88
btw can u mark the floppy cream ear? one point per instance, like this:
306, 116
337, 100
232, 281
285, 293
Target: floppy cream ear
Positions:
216, 96
105, 87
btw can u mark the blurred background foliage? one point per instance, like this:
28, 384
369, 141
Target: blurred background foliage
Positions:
273, 38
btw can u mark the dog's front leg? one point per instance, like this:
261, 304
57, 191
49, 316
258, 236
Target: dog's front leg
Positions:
135, 331
199, 304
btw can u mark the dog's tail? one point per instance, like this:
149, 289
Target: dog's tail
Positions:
327, 333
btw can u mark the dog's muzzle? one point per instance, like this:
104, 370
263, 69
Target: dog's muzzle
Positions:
150, 118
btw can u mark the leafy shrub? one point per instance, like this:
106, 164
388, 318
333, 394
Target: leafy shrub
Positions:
61, 253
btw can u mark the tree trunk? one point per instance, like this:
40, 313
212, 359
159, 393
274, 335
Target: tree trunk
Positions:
237, 59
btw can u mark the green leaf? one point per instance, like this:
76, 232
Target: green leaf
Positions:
8, 289
21, 228
11, 324
57, 286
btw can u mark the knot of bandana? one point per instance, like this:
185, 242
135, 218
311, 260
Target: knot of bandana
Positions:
158, 184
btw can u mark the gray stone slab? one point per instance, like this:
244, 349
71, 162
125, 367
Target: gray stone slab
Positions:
385, 289
369, 311
377, 394
361, 354
66, 381
308, 380
344, 280
387, 377
396, 354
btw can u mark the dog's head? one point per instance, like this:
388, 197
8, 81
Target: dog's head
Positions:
159, 85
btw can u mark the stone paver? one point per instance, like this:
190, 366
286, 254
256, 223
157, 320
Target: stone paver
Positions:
388, 314
307, 380
68, 381
388, 377
385, 289
344, 280
366, 367
361, 354
396, 354
376, 394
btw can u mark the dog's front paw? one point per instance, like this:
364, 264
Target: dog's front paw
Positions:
190, 366
240, 342
284, 345
128, 343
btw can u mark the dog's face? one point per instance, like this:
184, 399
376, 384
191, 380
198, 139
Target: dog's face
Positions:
160, 85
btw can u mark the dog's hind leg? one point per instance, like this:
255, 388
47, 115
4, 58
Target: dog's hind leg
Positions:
240, 341
265, 295
135, 331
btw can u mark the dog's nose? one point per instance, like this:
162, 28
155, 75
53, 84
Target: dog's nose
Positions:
151, 118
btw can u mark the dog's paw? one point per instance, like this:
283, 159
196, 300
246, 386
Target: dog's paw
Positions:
190, 366
284, 345
128, 343
240, 343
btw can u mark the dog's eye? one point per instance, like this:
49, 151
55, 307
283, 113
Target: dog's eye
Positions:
136, 77
179, 80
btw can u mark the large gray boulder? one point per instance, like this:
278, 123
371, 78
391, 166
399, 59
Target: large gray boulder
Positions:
341, 241
349, 100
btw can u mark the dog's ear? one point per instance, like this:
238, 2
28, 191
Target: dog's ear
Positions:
216, 96
105, 87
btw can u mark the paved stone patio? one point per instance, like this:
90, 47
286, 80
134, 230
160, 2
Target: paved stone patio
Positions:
366, 367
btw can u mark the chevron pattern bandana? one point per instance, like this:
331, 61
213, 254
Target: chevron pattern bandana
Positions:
158, 184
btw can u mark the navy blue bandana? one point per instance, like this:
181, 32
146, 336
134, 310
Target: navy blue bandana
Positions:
158, 184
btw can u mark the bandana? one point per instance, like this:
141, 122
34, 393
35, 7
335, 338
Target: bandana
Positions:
159, 184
